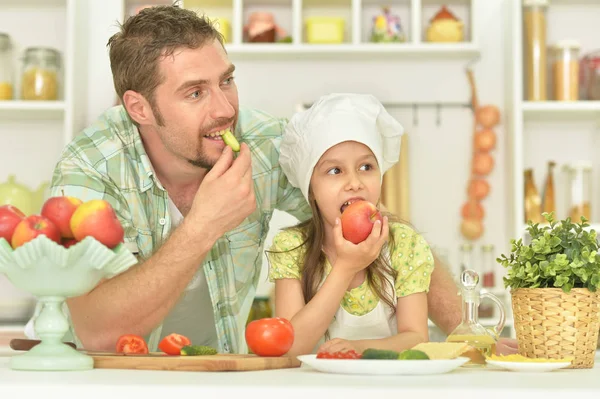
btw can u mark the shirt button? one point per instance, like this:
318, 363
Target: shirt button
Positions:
162, 221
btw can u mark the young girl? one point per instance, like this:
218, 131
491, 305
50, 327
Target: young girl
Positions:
340, 296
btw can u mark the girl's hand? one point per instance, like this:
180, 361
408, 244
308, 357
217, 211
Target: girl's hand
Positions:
340, 345
356, 257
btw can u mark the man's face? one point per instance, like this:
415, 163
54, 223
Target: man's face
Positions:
197, 101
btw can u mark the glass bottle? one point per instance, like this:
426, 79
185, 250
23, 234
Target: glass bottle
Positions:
261, 309
41, 74
580, 190
6, 77
565, 70
533, 202
466, 258
534, 16
488, 266
548, 204
486, 309
470, 330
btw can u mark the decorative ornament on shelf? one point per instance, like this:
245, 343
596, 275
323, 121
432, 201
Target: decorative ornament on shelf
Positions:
482, 163
387, 28
262, 28
445, 27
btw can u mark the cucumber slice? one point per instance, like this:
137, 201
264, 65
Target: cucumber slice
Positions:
231, 141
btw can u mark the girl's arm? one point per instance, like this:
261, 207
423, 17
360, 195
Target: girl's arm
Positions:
411, 312
311, 320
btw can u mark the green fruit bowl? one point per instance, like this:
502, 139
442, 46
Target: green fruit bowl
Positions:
53, 273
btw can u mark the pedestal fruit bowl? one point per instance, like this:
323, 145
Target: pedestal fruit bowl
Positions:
53, 273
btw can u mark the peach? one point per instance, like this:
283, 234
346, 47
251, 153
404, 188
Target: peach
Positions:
32, 227
59, 210
97, 218
10, 216
358, 219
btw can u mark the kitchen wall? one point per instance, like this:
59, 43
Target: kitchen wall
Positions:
439, 155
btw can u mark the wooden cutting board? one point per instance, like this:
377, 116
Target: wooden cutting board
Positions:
220, 362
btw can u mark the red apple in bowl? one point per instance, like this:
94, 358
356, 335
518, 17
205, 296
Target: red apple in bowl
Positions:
59, 210
97, 218
10, 217
68, 242
358, 219
32, 227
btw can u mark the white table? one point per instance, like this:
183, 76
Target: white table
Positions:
303, 383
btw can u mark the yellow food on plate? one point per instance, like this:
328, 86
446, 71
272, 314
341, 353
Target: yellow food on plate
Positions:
450, 350
523, 359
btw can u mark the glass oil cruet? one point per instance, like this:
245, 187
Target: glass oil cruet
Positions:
470, 330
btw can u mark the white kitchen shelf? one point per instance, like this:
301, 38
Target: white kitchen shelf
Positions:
561, 131
561, 106
37, 131
19, 105
466, 50
16, 110
358, 14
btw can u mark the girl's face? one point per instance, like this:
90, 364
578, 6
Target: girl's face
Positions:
347, 172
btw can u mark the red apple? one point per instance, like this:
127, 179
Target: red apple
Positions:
358, 219
59, 210
10, 216
32, 227
67, 242
97, 218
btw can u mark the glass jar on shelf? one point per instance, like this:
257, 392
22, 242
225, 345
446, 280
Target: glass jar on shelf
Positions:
589, 67
6, 76
580, 191
565, 69
534, 18
41, 74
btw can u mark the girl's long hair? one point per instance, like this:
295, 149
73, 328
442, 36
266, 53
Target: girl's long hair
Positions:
313, 268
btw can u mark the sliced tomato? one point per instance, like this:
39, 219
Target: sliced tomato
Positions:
172, 344
131, 343
339, 355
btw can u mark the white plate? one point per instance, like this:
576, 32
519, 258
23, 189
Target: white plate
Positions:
382, 367
528, 367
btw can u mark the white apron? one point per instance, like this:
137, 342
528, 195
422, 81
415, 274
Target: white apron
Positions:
374, 325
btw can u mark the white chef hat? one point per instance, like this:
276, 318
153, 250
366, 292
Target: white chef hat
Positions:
331, 120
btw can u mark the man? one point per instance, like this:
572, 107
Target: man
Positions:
196, 215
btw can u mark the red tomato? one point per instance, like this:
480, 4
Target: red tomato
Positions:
270, 336
131, 343
172, 344
339, 355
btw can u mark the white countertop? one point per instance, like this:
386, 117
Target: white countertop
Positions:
295, 383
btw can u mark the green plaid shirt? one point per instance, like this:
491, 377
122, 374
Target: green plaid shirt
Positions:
108, 161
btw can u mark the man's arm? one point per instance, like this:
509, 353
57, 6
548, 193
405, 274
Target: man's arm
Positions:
136, 301
443, 302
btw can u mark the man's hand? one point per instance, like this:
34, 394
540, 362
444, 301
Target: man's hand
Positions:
507, 346
226, 195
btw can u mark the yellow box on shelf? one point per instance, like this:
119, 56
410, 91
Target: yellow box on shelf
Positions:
223, 26
323, 30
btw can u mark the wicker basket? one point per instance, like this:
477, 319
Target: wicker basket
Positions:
552, 324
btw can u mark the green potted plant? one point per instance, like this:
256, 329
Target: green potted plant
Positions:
554, 284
